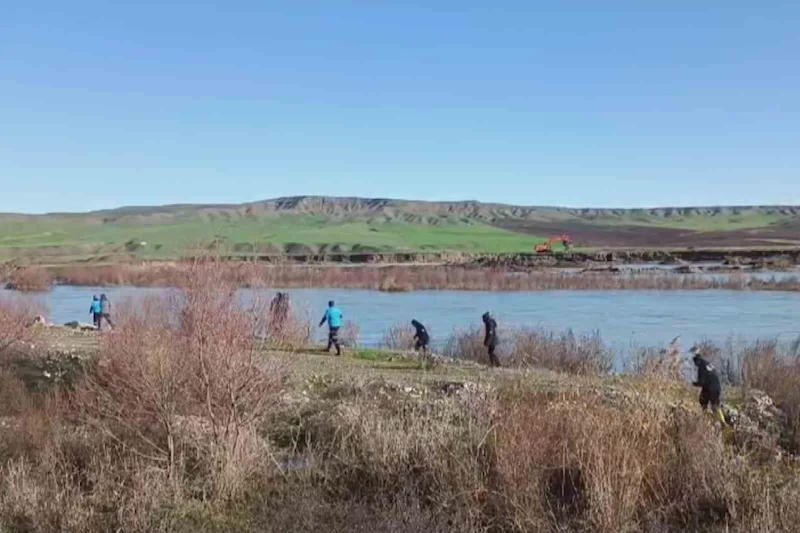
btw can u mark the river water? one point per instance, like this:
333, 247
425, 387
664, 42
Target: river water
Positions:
624, 318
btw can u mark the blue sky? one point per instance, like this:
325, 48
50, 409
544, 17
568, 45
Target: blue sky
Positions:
587, 103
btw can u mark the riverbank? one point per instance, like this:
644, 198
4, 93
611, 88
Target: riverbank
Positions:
373, 441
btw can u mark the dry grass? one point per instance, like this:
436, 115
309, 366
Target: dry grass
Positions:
467, 345
535, 348
665, 363
518, 459
409, 278
563, 468
563, 352
184, 424
17, 321
30, 279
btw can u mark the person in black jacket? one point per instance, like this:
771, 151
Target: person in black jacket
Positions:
708, 381
491, 341
421, 337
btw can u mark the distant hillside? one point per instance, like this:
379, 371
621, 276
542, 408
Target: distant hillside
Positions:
308, 224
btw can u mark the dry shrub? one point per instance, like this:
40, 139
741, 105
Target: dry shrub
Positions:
194, 390
767, 365
295, 333
467, 345
287, 328
30, 279
775, 369
349, 334
399, 337
17, 317
665, 363
562, 352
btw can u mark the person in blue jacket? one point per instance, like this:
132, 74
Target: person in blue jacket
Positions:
333, 316
96, 311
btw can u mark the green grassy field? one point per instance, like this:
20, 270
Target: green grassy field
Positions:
298, 233
308, 225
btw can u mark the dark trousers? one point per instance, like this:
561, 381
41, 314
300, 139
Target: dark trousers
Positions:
333, 340
708, 396
493, 356
97, 318
107, 318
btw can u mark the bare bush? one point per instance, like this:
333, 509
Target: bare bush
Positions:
349, 334
666, 363
30, 279
155, 379
290, 330
562, 352
399, 337
466, 345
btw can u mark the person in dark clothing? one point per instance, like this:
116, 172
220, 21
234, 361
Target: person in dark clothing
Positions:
421, 337
105, 311
333, 316
491, 341
708, 381
279, 312
95, 311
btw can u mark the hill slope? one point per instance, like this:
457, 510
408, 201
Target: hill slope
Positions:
309, 224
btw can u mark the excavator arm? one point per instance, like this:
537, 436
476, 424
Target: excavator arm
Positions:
547, 247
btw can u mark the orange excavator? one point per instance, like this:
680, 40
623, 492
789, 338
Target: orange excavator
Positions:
547, 247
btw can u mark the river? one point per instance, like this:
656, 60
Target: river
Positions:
623, 318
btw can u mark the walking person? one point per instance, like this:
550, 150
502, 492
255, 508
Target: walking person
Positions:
333, 316
421, 337
105, 311
95, 311
278, 313
491, 340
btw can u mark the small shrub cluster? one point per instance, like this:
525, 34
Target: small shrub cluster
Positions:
535, 348
17, 317
466, 345
349, 334
563, 352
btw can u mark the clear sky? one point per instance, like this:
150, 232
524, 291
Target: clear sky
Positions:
571, 103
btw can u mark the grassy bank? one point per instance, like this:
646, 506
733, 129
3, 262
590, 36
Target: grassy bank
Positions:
286, 234
388, 278
195, 425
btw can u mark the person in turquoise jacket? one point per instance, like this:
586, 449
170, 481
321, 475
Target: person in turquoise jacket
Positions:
333, 316
96, 311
